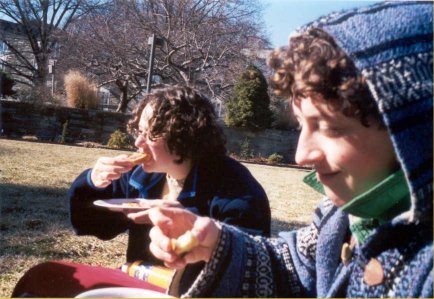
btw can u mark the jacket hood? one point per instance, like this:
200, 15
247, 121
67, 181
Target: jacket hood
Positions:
391, 44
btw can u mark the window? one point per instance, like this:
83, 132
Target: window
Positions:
3, 48
104, 96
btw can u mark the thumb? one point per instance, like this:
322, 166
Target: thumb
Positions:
206, 231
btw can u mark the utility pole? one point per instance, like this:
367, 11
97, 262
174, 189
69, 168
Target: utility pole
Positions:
52, 70
152, 41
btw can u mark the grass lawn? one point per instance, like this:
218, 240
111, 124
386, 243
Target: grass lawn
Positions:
34, 219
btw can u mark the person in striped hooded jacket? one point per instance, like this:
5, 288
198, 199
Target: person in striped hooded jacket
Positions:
360, 85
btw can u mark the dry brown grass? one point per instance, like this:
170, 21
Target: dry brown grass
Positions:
34, 220
80, 92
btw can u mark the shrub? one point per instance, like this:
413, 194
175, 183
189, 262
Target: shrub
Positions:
119, 140
38, 96
275, 158
80, 92
246, 151
249, 106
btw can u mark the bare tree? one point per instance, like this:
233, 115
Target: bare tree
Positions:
203, 42
36, 24
109, 46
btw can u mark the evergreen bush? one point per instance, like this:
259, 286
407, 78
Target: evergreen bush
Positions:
246, 151
119, 140
275, 158
249, 106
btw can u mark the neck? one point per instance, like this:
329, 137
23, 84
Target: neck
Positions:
180, 171
383, 201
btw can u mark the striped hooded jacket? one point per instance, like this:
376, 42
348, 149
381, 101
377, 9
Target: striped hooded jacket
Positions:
391, 45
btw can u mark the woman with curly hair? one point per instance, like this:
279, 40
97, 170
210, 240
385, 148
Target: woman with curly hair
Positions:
187, 168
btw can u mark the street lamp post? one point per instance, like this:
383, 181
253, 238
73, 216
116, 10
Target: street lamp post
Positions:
152, 41
51, 70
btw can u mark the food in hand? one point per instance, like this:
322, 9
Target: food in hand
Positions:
138, 158
184, 243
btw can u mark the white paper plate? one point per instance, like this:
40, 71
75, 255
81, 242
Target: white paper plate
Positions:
122, 293
118, 204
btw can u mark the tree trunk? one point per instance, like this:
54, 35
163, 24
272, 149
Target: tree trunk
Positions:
123, 103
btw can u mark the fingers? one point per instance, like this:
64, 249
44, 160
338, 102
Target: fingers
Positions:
207, 231
165, 256
178, 264
109, 174
120, 162
165, 203
141, 217
162, 250
162, 216
108, 169
173, 222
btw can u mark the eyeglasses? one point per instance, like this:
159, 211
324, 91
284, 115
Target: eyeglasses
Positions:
136, 133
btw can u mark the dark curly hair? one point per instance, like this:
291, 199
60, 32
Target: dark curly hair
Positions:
313, 65
186, 120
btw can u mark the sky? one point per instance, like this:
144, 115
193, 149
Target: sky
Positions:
284, 16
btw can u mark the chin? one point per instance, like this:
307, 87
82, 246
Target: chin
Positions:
147, 168
335, 198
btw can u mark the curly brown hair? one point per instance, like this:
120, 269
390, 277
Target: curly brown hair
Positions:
186, 120
314, 66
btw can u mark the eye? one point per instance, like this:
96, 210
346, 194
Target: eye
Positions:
139, 132
331, 131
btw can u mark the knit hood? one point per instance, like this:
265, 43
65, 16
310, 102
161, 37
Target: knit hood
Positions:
391, 44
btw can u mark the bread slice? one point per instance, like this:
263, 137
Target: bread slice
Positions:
184, 243
139, 158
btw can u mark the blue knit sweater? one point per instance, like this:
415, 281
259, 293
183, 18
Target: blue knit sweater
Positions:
391, 44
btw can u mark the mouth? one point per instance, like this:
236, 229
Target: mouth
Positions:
324, 177
149, 157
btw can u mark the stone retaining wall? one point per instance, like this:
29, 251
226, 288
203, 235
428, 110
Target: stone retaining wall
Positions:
18, 119
47, 122
264, 143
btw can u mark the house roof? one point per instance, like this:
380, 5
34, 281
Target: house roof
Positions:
11, 28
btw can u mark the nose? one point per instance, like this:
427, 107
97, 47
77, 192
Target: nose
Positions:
140, 142
308, 152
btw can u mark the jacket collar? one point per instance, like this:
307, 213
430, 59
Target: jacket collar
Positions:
145, 182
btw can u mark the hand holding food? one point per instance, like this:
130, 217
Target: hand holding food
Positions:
180, 237
108, 169
184, 243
